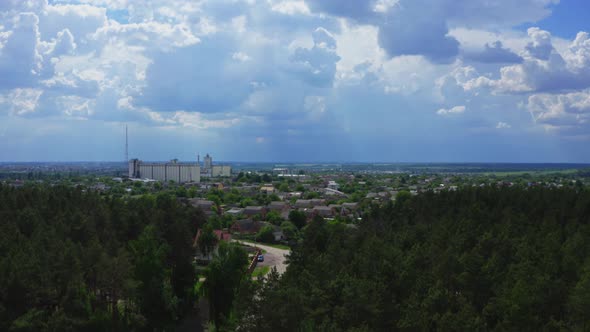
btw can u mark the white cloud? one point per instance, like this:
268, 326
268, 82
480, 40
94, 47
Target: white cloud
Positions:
150, 34
544, 69
317, 65
23, 101
240, 56
561, 110
198, 121
77, 107
80, 20
451, 111
20, 61
291, 7
503, 125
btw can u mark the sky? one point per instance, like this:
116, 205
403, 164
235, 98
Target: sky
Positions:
295, 80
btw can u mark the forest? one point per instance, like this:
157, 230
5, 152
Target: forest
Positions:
476, 259
73, 260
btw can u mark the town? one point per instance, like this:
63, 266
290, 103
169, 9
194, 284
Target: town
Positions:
271, 204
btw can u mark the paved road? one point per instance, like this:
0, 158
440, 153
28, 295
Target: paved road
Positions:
273, 257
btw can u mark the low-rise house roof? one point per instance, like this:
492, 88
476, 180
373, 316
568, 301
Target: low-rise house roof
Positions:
277, 206
333, 192
202, 203
220, 234
253, 210
268, 188
324, 211
350, 206
303, 203
235, 211
246, 226
317, 201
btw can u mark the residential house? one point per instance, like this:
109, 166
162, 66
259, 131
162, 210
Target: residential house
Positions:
350, 206
303, 203
333, 192
323, 211
268, 189
333, 185
251, 211
276, 231
277, 206
317, 202
234, 211
246, 226
222, 236
205, 205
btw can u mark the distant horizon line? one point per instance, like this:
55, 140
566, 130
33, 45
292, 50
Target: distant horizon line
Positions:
310, 162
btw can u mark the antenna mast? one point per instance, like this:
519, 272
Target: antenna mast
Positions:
126, 145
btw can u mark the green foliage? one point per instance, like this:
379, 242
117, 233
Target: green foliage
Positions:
73, 260
265, 234
223, 279
298, 218
274, 217
507, 259
207, 240
290, 231
312, 195
284, 187
402, 197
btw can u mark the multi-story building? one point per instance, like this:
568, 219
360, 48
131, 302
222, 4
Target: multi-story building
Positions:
170, 171
207, 163
210, 170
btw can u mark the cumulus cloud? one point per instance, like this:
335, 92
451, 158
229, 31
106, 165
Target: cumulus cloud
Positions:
405, 32
495, 53
569, 110
80, 20
543, 69
291, 7
287, 73
317, 65
22, 101
199, 121
64, 44
421, 27
20, 61
451, 111
158, 35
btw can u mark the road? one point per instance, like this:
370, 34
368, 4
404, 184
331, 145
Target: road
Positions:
273, 257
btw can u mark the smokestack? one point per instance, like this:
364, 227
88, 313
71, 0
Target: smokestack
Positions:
126, 145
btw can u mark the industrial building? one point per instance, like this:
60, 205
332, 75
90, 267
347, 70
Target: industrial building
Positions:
177, 171
170, 171
210, 170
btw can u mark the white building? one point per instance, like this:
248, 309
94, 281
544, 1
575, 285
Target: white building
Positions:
170, 171
210, 170
207, 163
221, 171
333, 185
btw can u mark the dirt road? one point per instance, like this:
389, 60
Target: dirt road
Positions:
273, 257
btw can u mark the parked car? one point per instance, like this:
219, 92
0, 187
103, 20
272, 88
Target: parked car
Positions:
261, 258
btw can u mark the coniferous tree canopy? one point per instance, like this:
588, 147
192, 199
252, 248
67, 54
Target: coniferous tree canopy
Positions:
478, 259
72, 260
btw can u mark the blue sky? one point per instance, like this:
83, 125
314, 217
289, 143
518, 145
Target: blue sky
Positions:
295, 80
